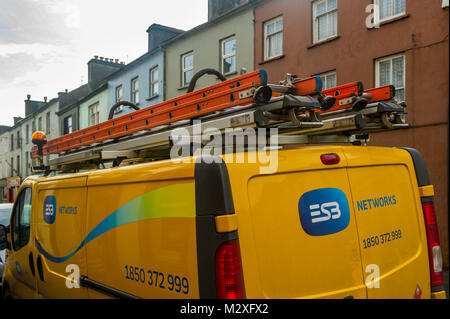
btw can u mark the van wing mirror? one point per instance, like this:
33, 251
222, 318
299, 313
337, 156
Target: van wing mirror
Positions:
3, 238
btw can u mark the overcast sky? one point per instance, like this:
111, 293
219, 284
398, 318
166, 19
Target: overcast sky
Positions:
45, 44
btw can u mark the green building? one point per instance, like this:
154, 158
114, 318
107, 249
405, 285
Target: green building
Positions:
224, 43
94, 107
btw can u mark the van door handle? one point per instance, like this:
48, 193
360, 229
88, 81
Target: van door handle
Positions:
31, 262
39, 268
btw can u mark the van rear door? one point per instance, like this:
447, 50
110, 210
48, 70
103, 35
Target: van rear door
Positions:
303, 228
390, 222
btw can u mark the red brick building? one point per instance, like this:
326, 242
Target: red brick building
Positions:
410, 49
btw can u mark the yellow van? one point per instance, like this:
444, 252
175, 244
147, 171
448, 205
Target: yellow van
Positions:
331, 222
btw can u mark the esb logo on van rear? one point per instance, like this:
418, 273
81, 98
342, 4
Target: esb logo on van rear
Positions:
324, 211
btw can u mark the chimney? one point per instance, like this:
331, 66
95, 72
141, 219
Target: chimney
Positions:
45, 99
17, 119
66, 91
32, 106
158, 33
98, 69
216, 8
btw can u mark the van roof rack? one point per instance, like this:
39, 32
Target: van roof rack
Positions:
298, 108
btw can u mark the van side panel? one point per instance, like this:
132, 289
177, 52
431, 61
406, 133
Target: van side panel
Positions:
61, 216
142, 241
390, 222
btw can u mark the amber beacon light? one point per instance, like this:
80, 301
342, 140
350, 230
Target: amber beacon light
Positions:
39, 139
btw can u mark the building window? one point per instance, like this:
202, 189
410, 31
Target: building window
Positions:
135, 91
47, 122
26, 164
228, 49
33, 127
391, 71
154, 82
18, 165
12, 142
18, 140
93, 114
389, 9
40, 124
328, 80
68, 125
27, 133
119, 97
12, 166
119, 93
273, 38
187, 68
325, 19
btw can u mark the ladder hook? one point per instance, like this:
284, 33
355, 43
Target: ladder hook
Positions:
201, 73
115, 106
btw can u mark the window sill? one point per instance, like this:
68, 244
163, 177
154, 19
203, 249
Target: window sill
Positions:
183, 87
229, 74
152, 97
272, 59
392, 20
324, 41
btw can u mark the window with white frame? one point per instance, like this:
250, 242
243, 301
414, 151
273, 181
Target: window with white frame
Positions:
187, 68
324, 19
328, 80
389, 9
119, 97
273, 38
93, 114
228, 49
154, 81
68, 125
391, 71
135, 90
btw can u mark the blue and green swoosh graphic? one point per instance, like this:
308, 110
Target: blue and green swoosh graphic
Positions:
172, 201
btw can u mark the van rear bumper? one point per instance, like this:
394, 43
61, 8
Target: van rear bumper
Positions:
439, 295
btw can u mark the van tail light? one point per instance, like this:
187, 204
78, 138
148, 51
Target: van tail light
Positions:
229, 279
434, 247
330, 159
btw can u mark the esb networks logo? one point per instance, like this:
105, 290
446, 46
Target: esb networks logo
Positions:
324, 211
50, 209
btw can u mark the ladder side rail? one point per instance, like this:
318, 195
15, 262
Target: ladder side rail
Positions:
126, 124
